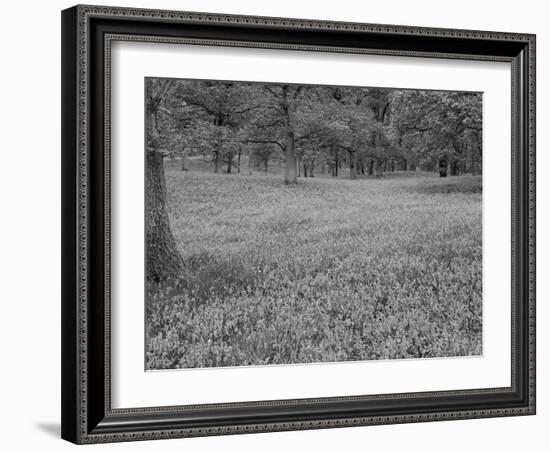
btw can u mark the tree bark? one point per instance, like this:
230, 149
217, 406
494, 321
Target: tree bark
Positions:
290, 159
163, 258
305, 169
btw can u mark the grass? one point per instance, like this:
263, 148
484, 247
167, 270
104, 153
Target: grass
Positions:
328, 270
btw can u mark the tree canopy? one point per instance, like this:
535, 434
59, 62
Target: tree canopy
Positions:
370, 131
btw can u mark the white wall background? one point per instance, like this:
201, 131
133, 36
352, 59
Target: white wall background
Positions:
30, 223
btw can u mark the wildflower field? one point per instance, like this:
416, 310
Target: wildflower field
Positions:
327, 270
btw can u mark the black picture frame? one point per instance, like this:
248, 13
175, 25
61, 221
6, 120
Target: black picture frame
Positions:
87, 416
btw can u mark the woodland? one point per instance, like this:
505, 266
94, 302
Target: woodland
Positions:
294, 223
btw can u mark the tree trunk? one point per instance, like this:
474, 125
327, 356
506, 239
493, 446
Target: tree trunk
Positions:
442, 167
371, 167
229, 162
311, 167
239, 161
378, 167
305, 169
216, 161
265, 165
163, 258
184, 160
290, 159
352, 165
454, 168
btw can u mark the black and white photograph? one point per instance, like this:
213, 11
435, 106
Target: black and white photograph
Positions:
298, 224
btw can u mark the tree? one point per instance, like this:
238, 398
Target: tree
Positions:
261, 154
219, 109
285, 121
348, 125
442, 129
163, 258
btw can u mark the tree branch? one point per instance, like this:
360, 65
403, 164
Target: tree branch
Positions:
264, 141
271, 91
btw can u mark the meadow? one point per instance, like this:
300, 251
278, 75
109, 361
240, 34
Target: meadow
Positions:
327, 270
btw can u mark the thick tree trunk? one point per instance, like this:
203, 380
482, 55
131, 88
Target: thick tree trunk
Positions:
305, 169
443, 167
163, 258
290, 159
371, 167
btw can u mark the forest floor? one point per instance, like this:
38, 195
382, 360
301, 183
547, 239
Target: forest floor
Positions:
327, 270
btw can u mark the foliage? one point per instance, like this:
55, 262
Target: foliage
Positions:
319, 271
319, 125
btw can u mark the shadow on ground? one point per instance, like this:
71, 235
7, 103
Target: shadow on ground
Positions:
53, 429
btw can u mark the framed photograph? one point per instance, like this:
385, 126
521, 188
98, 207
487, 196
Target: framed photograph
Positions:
279, 224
